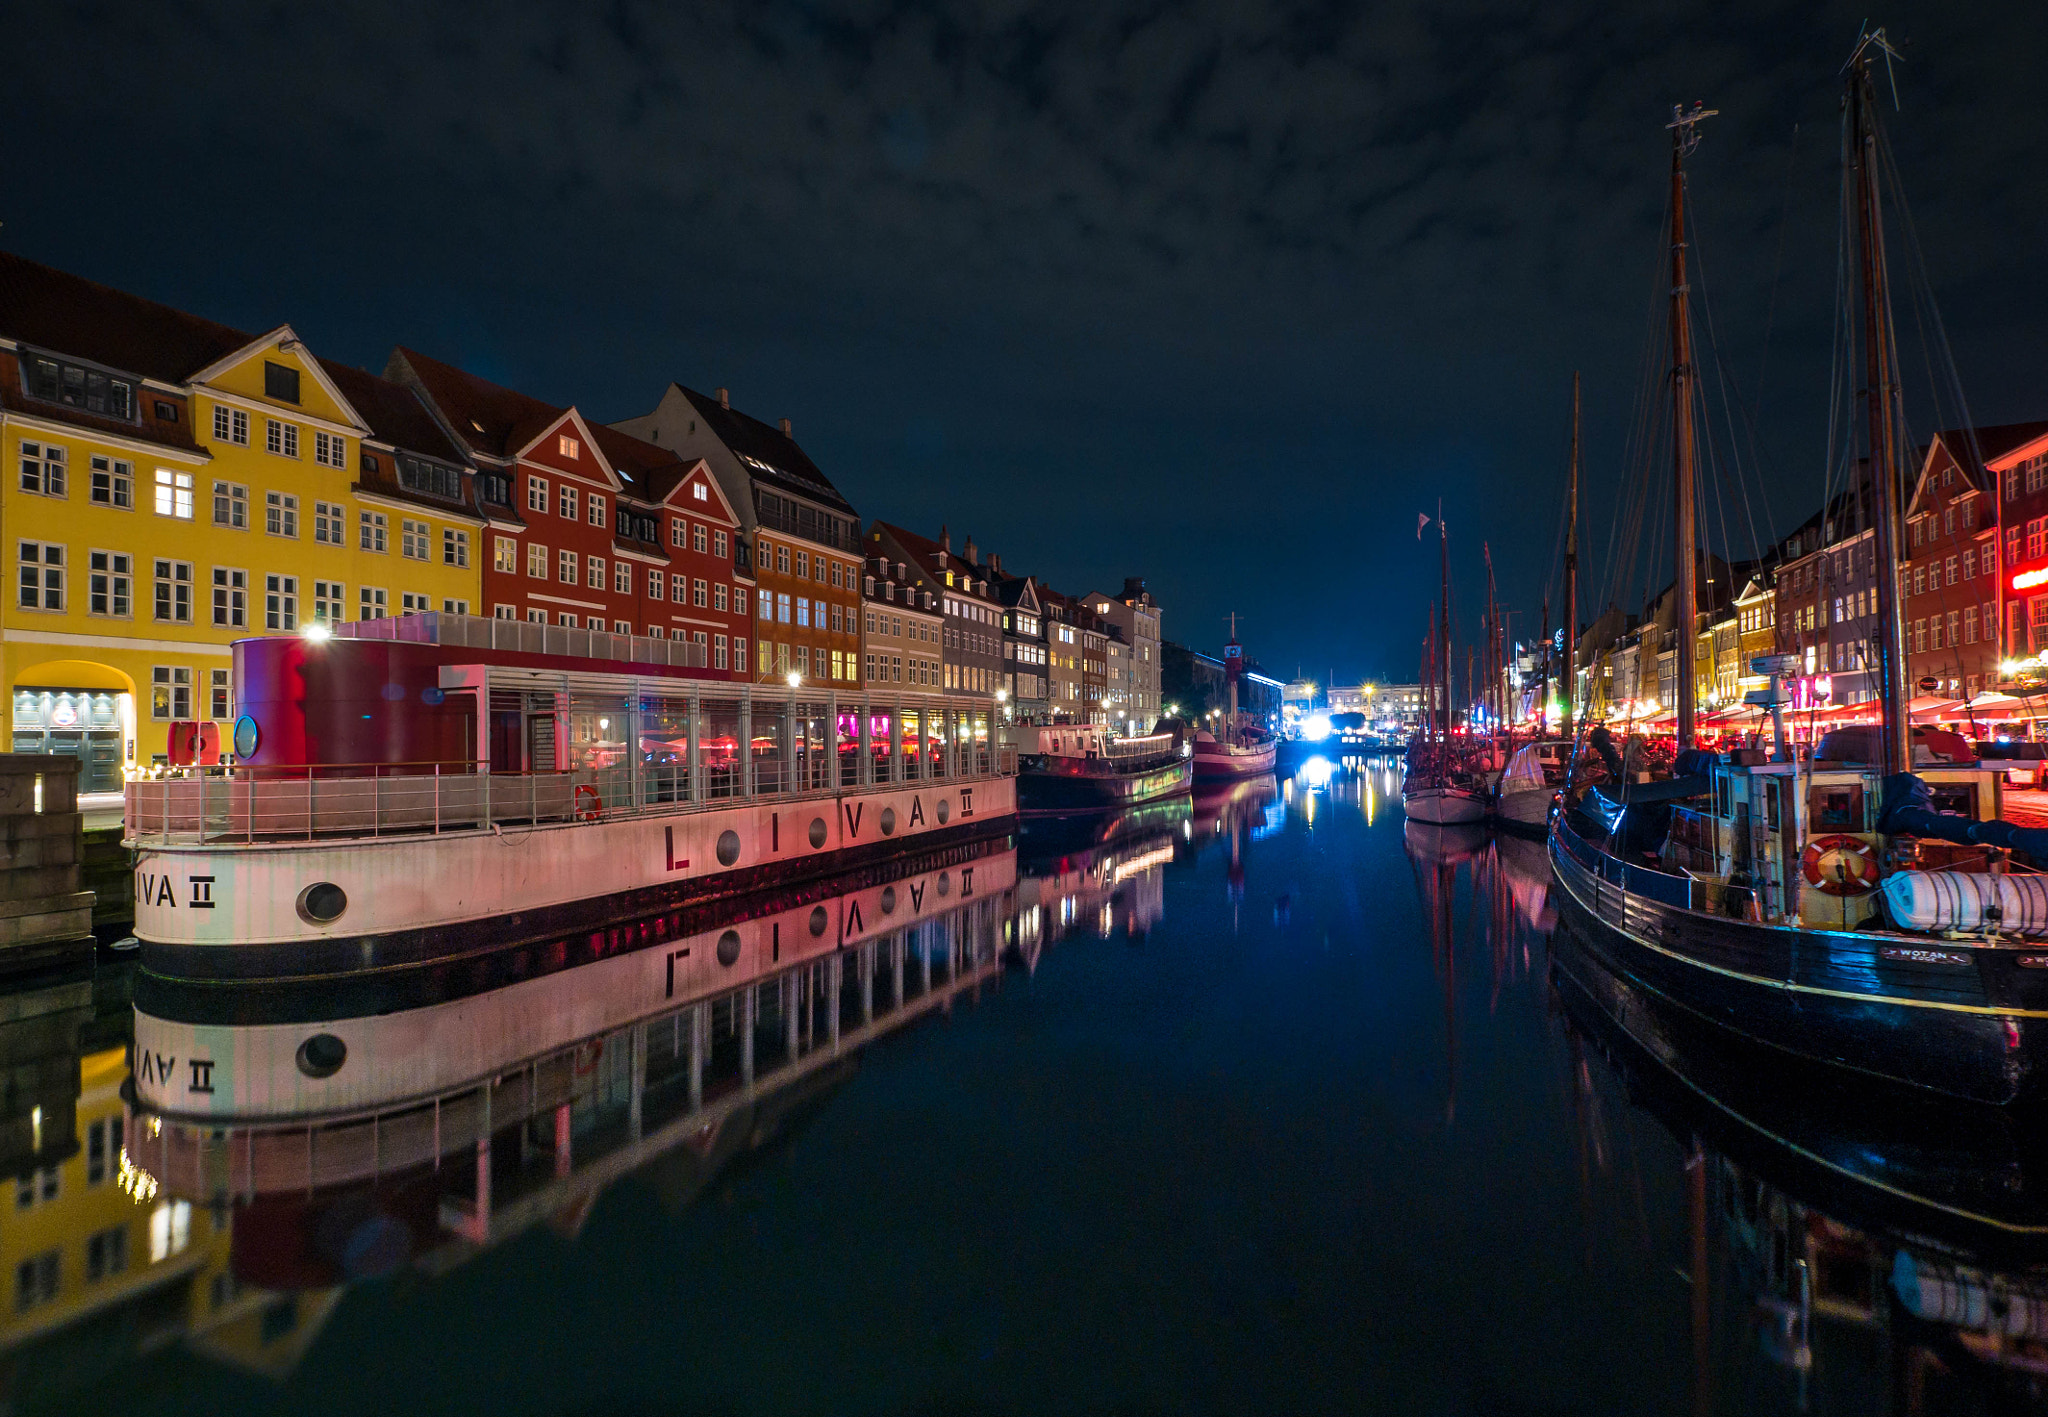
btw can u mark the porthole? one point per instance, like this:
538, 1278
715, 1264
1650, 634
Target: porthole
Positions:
322, 903
728, 847
322, 1055
888, 821
729, 948
246, 737
819, 920
888, 900
945, 811
817, 832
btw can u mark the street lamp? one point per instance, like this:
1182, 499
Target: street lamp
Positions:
795, 678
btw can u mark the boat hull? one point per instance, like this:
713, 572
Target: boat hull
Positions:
1443, 805
1952, 1017
1525, 812
234, 910
1215, 762
1051, 790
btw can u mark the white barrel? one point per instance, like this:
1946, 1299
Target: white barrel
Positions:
1964, 900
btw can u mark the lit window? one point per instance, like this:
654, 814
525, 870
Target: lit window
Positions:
569, 448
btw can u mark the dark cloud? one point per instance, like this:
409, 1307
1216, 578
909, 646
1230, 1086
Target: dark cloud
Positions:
1212, 292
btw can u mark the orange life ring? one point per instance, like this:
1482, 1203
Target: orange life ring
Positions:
1859, 881
595, 810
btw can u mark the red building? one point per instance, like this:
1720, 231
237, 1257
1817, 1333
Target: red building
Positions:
2017, 456
589, 527
1948, 575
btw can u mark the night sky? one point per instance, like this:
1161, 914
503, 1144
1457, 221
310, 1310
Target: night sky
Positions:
1219, 295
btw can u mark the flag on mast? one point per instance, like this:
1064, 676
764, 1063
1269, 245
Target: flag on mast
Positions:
1421, 521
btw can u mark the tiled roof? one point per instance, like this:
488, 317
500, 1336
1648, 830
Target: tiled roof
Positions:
934, 560
394, 413
650, 472
767, 451
68, 314
492, 420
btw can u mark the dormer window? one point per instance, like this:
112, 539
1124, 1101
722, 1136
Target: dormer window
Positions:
280, 382
569, 447
59, 381
701, 492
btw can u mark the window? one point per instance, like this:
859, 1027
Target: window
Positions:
803, 660
410, 603
1948, 521
106, 1253
42, 469
281, 438
327, 601
619, 627
454, 607
505, 555
230, 598
432, 479
536, 494
622, 578
42, 575
110, 585
657, 583
803, 612
2012, 546
679, 589
700, 594
170, 1230
281, 514
504, 612
495, 488
327, 523
739, 655
280, 602
170, 692
371, 604
1969, 565
719, 545
567, 620
835, 573
1934, 637
676, 531
220, 704
1951, 570
454, 547
231, 505
569, 447
537, 617
102, 1148
701, 493
718, 596
56, 381
113, 483
174, 592
536, 561
413, 539
782, 607
739, 600
565, 568
782, 559
836, 623
330, 449
594, 509
719, 656
1955, 618
35, 1281
372, 528
281, 382
697, 539
2037, 538
594, 577
803, 565
567, 503
230, 425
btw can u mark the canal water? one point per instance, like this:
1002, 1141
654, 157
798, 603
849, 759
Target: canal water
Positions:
1271, 1102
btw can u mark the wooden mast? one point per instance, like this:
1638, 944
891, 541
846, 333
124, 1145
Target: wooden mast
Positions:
1685, 552
1571, 570
1881, 396
1444, 640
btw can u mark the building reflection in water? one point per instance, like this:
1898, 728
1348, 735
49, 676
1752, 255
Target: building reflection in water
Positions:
229, 1207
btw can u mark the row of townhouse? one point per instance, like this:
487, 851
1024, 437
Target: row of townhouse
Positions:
1973, 591
178, 484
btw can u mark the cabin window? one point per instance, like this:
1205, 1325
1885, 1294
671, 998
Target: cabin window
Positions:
1834, 807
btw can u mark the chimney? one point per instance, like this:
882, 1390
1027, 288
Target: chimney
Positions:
973, 559
995, 563
785, 429
945, 540
724, 398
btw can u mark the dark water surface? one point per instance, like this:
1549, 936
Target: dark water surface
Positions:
1278, 1104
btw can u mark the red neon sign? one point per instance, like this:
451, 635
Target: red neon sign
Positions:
2027, 580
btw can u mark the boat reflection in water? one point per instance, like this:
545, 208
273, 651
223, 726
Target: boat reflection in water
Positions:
1826, 1214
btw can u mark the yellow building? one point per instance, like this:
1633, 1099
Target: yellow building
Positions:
175, 485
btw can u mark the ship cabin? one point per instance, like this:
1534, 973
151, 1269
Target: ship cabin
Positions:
445, 722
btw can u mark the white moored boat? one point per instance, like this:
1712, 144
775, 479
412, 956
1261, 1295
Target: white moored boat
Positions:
367, 823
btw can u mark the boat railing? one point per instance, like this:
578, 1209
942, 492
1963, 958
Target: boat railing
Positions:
1150, 745
251, 803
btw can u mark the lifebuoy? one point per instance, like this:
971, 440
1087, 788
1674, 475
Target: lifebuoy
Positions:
1839, 865
592, 812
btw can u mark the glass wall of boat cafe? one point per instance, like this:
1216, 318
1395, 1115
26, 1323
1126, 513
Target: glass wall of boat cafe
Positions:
561, 739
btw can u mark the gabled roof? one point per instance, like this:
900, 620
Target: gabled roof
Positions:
67, 314
393, 413
489, 419
663, 484
1015, 591
933, 559
767, 452
647, 470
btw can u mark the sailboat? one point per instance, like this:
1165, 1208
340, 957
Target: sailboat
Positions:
1440, 786
1849, 910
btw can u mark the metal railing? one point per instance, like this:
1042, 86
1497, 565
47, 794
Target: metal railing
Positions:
435, 627
198, 806
1151, 745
